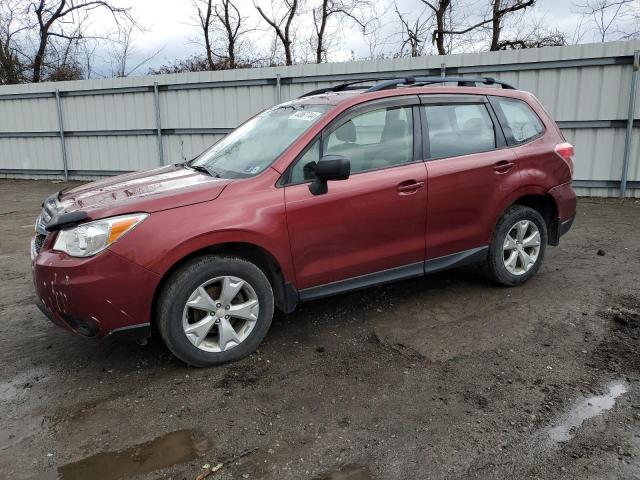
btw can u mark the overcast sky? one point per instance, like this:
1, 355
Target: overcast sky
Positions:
170, 28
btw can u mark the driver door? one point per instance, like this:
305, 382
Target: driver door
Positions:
374, 222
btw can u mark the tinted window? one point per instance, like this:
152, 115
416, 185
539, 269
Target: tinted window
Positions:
376, 139
522, 123
459, 129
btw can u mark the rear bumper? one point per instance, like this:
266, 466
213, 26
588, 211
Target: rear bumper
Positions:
558, 229
565, 200
94, 297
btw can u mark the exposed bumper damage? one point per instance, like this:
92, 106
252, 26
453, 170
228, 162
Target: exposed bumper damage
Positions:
66, 289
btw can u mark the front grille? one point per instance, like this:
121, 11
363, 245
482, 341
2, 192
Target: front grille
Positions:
38, 241
50, 208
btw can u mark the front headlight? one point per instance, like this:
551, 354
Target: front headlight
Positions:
93, 237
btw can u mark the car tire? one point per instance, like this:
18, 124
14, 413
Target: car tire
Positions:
514, 254
207, 296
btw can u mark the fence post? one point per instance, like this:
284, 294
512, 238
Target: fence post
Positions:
278, 89
62, 142
156, 101
630, 115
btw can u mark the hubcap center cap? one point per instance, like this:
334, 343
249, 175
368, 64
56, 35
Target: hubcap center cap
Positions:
220, 313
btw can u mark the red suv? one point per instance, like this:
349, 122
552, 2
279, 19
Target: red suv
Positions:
341, 189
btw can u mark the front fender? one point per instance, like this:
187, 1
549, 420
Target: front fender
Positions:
213, 239
166, 237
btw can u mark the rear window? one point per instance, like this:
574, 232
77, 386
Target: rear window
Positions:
519, 121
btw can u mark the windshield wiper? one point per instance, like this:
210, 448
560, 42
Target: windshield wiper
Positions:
202, 168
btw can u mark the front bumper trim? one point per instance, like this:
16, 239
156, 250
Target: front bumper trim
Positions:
84, 327
141, 331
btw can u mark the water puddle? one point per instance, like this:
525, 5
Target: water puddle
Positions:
590, 407
171, 449
20, 384
7, 391
348, 472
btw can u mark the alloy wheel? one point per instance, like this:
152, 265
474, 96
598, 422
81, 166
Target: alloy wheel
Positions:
220, 314
521, 247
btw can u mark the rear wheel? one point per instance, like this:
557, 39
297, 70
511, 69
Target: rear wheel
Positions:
215, 309
518, 246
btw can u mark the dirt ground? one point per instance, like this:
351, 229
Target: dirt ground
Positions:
447, 376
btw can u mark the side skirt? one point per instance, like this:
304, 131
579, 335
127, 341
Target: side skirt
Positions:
393, 274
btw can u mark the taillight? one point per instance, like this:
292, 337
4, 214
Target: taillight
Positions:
565, 152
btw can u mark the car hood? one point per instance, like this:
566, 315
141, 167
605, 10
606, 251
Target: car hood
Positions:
147, 191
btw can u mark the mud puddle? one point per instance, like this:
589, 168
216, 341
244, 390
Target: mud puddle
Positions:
590, 407
347, 472
20, 384
174, 448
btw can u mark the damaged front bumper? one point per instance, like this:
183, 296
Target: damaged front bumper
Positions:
96, 296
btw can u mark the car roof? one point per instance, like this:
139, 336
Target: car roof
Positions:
355, 96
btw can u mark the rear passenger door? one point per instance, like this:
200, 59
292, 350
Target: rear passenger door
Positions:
469, 168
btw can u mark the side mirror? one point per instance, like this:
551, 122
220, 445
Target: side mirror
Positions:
330, 167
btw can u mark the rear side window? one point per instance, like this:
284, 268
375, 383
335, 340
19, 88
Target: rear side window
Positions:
520, 123
459, 129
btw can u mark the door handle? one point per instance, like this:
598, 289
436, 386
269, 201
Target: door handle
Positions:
503, 166
405, 188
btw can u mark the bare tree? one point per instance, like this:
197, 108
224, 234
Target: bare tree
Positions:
553, 38
53, 15
612, 19
12, 67
64, 64
232, 21
283, 25
223, 26
191, 64
499, 10
378, 43
441, 11
413, 32
205, 17
124, 50
532, 32
340, 10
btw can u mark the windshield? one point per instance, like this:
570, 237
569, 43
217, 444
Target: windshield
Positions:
256, 144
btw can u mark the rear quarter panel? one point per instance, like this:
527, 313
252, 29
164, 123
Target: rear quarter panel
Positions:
541, 169
539, 164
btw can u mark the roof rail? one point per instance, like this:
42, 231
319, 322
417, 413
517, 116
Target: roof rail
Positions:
344, 86
419, 81
386, 83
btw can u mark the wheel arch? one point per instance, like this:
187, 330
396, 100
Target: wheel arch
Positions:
545, 205
538, 199
285, 294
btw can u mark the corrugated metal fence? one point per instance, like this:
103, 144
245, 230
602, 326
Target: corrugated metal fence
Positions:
103, 127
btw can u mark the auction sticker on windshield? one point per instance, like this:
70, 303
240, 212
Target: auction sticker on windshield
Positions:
306, 115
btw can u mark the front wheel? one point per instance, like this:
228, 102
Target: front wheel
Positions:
518, 246
215, 309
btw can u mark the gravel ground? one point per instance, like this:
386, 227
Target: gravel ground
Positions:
447, 376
